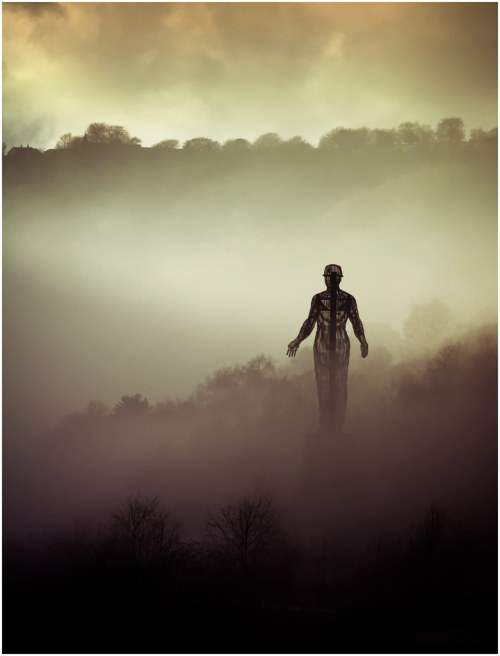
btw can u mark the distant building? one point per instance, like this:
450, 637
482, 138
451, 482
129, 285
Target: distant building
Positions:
26, 152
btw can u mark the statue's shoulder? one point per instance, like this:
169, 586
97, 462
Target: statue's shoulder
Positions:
349, 298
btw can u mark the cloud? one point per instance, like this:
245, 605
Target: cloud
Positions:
34, 8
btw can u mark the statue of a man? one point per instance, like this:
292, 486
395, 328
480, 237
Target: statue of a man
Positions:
331, 346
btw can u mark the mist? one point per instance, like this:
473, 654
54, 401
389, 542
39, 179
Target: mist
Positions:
393, 516
149, 297
250, 428
147, 274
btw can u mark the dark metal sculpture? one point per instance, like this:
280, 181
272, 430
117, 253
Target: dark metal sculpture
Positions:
330, 310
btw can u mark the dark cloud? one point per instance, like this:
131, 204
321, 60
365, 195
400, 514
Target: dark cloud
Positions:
35, 8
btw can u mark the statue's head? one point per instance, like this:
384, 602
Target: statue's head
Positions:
332, 268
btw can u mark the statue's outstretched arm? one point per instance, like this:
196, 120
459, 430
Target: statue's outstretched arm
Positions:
357, 325
306, 329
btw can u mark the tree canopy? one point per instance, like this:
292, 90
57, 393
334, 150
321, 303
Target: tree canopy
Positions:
409, 134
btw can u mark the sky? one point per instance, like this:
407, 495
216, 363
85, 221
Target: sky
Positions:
227, 70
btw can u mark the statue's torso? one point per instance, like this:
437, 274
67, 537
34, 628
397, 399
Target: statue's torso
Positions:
323, 300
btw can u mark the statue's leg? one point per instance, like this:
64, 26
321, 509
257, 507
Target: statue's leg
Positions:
332, 409
340, 395
340, 384
321, 369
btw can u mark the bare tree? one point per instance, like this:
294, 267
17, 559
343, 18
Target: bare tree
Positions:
245, 531
427, 539
144, 531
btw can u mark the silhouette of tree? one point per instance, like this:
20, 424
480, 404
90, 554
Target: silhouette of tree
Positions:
426, 134
443, 370
407, 133
345, 139
450, 130
201, 145
143, 531
427, 535
167, 144
109, 134
478, 135
132, 405
383, 138
268, 141
117, 134
412, 134
243, 532
230, 382
297, 144
236, 146
96, 133
65, 141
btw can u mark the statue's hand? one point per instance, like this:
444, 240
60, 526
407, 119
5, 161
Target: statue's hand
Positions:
293, 347
364, 349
